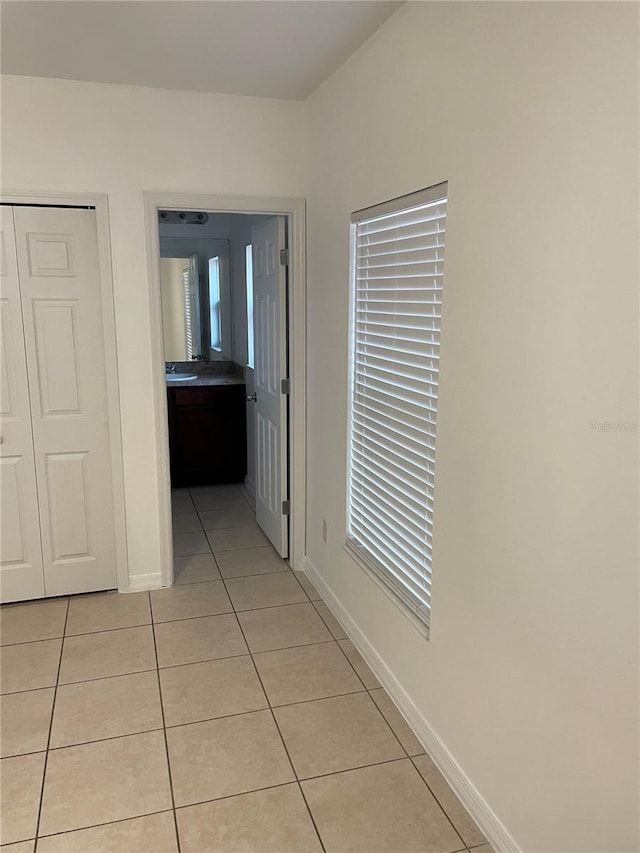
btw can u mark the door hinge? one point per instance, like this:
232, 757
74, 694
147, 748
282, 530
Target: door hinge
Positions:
284, 257
285, 386
286, 507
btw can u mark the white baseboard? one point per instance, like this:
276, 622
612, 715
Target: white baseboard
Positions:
138, 583
488, 822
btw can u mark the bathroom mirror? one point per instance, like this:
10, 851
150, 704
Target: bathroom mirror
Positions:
196, 310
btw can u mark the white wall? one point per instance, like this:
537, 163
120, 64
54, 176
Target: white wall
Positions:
84, 137
530, 112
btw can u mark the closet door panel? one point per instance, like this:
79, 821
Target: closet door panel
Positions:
59, 279
21, 570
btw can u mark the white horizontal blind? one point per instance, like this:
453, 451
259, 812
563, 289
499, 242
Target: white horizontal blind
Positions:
188, 313
397, 278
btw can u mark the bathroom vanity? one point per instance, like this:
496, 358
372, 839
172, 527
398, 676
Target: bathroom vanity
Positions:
207, 429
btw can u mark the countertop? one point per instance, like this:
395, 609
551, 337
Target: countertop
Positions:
209, 380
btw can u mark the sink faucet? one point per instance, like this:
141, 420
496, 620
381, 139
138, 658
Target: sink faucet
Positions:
172, 368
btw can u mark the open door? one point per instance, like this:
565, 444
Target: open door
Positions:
270, 399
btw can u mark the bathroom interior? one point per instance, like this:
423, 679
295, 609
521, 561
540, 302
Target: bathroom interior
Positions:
206, 275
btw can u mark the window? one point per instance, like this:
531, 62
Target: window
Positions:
397, 276
215, 325
249, 279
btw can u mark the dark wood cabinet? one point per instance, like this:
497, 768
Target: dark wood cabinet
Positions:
207, 434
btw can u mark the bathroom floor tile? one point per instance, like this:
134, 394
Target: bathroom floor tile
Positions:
105, 781
110, 707
281, 627
250, 561
29, 666
306, 672
231, 755
401, 728
271, 821
195, 568
379, 809
234, 538
106, 611
329, 735
186, 522
40, 620
358, 663
193, 640
220, 490
189, 601
154, 833
190, 543
107, 653
20, 786
208, 498
25, 719
235, 517
456, 812
181, 503
269, 590
330, 620
203, 691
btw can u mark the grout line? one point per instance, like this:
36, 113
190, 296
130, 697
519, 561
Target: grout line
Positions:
351, 769
25, 602
351, 664
28, 643
107, 630
237, 794
432, 792
337, 639
53, 711
164, 732
105, 677
96, 825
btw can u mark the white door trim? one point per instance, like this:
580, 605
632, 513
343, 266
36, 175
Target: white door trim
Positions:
294, 210
100, 202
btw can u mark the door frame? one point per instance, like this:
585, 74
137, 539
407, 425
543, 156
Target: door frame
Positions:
100, 202
293, 209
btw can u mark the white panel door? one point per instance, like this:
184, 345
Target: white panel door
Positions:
21, 572
59, 281
270, 334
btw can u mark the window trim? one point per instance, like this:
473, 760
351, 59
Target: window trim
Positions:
214, 262
248, 284
357, 553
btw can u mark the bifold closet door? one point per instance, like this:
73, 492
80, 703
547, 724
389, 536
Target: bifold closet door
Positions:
58, 269
21, 571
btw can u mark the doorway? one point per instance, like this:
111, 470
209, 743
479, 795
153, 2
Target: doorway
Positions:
241, 285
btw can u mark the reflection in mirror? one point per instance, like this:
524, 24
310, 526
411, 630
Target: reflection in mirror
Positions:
196, 297
180, 309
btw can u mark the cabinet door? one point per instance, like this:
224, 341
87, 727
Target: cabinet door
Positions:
208, 436
21, 573
61, 303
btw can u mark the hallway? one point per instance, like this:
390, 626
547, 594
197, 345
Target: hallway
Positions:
229, 712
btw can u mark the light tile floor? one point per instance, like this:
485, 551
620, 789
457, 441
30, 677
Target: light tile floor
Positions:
229, 713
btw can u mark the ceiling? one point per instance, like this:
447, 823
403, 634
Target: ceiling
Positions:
266, 48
